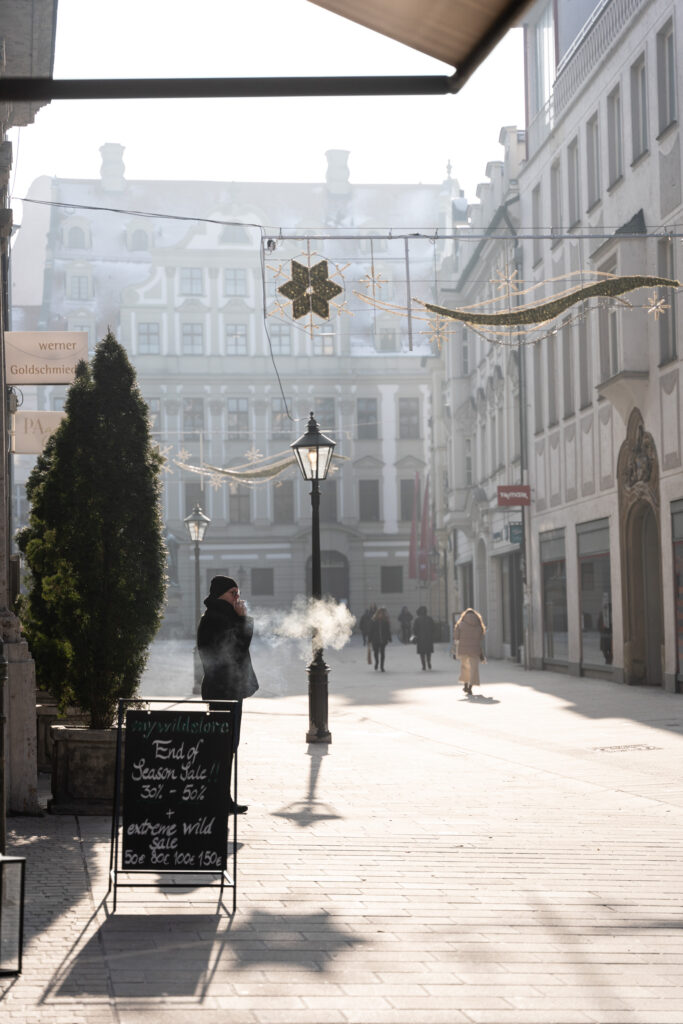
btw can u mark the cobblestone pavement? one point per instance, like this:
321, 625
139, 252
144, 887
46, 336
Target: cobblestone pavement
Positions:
511, 858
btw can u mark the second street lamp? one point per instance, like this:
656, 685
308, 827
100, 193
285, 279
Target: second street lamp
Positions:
313, 453
197, 523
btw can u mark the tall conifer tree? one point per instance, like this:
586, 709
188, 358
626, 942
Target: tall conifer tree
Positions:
94, 544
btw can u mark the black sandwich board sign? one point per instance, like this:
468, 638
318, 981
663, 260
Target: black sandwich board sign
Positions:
176, 792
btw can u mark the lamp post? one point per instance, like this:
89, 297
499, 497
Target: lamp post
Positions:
196, 523
313, 453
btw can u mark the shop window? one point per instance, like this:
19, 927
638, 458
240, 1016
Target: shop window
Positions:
595, 593
554, 583
391, 579
262, 582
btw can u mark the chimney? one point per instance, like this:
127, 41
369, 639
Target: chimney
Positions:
112, 169
338, 172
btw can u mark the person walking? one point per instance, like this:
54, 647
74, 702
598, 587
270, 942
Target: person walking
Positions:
423, 631
468, 640
405, 618
223, 638
380, 636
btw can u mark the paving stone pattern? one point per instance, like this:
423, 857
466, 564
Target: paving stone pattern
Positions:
511, 858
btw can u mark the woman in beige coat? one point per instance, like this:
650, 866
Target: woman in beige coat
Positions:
468, 640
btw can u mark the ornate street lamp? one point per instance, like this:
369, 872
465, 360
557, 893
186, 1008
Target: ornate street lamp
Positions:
313, 453
197, 523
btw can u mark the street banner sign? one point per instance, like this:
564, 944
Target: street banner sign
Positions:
514, 494
30, 430
43, 357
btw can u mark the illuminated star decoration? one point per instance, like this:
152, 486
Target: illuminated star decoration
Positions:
310, 290
657, 306
439, 332
253, 455
164, 451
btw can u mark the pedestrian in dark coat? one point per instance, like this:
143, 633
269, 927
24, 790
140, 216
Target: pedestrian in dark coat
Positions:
423, 631
380, 636
223, 638
405, 617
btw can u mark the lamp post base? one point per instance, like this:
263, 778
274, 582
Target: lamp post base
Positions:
318, 731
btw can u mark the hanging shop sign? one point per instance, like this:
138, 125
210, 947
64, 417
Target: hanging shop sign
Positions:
43, 357
30, 430
514, 494
516, 533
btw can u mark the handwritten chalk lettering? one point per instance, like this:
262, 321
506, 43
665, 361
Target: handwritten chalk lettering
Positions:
151, 828
141, 773
202, 827
160, 859
193, 793
183, 860
190, 774
165, 750
209, 858
130, 859
151, 792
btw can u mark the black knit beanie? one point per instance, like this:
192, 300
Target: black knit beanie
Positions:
220, 585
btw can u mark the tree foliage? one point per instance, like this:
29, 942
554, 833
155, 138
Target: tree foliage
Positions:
94, 544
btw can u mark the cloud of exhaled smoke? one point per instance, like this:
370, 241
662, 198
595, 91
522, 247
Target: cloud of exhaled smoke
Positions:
331, 624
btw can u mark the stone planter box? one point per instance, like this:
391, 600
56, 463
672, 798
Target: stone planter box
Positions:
83, 770
47, 716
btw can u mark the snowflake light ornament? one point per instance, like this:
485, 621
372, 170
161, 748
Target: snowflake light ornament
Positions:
657, 306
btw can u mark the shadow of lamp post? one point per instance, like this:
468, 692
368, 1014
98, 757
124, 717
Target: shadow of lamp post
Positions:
313, 453
197, 523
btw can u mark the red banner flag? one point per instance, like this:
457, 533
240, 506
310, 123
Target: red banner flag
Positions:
412, 557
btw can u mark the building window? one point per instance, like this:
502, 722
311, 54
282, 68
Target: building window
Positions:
595, 593
667, 321
235, 339
79, 286
386, 341
615, 144
280, 423
328, 502
469, 473
366, 415
554, 597
283, 502
193, 418
280, 339
573, 182
465, 354
593, 160
262, 582
323, 344
408, 418
538, 388
154, 408
234, 281
149, 340
324, 414
191, 281
568, 370
368, 501
639, 128
555, 199
536, 223
76, 238
409, 497
391, 579
608, 332
551, 368
239, 503
585, 374
192, 339
139, 240
194, 495
238, 419
666, 76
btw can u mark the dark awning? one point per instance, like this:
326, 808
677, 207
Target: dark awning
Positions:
461, 33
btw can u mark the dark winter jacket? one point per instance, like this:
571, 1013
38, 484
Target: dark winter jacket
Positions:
423, 631
379, 632
223, 639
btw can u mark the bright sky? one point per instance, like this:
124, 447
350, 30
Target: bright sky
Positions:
403, 139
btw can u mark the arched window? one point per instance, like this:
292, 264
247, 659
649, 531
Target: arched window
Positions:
75, 238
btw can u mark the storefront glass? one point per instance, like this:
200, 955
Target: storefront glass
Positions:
677, 532
554, 577
595, 593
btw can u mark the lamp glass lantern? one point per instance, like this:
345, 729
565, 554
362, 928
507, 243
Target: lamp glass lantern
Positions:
12, 874
196, 524
313, 452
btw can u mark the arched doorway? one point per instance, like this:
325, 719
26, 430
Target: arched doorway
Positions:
334, 568
641, 560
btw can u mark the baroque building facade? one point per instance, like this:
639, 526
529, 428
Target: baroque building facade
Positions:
597, 194
188, 275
